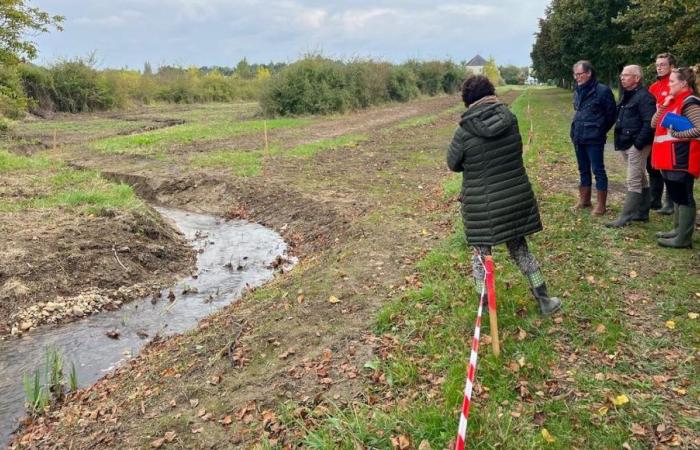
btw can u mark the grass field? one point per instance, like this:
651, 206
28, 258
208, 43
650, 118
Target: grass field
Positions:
615, 368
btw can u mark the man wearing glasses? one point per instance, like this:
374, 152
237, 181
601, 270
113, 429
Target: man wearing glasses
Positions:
665, 62
595, 115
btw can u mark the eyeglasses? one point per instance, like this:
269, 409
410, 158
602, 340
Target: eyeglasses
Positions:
579, 74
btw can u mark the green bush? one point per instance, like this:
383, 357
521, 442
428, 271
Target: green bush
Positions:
78, 88
313, 85
37, 83
452, 77
12, 99
367, 83
402, 84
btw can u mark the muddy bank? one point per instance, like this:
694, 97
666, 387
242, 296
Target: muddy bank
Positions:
232, 257
66, 264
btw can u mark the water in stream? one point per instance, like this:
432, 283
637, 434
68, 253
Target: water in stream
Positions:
234, 255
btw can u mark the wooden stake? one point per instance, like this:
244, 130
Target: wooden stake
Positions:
493, 317
267, 147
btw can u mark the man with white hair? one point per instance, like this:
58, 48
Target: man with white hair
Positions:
633, 138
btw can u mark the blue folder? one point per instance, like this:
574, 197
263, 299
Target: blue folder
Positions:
676, 122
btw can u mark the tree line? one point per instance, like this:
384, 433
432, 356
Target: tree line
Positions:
614, 33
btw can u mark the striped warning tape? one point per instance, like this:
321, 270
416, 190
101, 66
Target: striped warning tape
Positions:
471, 370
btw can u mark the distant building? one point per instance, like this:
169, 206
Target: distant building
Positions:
476, 65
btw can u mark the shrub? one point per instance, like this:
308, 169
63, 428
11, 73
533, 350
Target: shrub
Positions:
37, 83
402, 84
313, 85
77, 87
12, 99
452, 77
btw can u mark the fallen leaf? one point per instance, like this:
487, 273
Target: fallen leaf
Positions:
522, 334
194, 402
620, 400
633, 274
547, 436
626, 446
600, 328
197, 430
680, 391
158, 443
600, 376
515, 414
424, 445
670, 324
227, 420
638, 429
521, 361
402, 442
333, 299
693, 316
603, 410
201, 412
170, 436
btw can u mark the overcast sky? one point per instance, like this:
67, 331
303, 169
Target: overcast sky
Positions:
126, 33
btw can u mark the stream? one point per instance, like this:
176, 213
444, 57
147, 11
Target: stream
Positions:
232, 257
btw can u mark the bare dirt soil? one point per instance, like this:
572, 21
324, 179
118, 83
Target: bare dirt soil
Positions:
51, 255
359, 218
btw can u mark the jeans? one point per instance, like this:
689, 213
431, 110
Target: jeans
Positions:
636, 161
591, 156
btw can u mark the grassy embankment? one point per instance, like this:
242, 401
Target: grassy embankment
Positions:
35, 182
617, 367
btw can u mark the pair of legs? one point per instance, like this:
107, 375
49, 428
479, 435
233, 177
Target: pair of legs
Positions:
528, 265
659, 203
679, 186
591, 162
638, 198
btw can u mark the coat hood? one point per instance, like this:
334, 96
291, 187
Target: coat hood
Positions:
487, 120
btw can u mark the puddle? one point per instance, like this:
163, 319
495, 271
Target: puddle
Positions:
235, 255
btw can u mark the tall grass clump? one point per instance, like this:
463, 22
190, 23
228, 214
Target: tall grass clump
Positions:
47, 383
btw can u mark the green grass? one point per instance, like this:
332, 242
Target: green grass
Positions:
49, 184
10, 162
242, 163
311, 149
570, 367
415, 122
152, 141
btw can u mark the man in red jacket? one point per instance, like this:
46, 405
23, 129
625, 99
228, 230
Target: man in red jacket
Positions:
665, 62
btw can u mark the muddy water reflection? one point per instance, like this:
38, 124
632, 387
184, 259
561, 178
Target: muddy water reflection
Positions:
234, 255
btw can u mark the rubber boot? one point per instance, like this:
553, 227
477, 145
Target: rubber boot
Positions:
548, 305
667, 209
686, 226
629, 209
656, 186
674, 232
584, 197
601, 200
642, 214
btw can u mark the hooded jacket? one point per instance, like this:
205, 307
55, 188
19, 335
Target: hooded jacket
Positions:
498, 203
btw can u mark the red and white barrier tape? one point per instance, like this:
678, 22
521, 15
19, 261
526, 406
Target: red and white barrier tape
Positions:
471, 370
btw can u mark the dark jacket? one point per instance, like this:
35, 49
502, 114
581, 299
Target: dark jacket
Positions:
498, 204
634, 113
595, 113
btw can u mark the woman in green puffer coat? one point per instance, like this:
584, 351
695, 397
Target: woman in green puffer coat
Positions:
498, 205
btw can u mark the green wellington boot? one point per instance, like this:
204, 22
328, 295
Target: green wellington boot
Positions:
642, 214
629, 210
686, 226
667, 209
548, 305
674, 232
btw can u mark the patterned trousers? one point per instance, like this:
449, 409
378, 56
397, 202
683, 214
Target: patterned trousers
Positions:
519, 253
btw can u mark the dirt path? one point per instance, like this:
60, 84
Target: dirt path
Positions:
359, 217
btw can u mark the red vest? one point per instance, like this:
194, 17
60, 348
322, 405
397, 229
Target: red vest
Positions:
659, 89
669, 153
